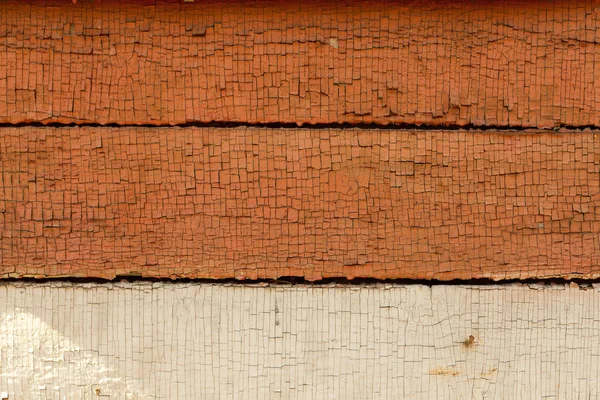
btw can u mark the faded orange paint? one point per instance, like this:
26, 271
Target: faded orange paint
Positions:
416, 62
265, 203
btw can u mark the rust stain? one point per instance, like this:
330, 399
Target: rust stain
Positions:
445, 371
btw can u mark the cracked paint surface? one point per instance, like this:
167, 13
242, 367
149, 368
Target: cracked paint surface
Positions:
39, 362
517, 63
188, 341
252, 203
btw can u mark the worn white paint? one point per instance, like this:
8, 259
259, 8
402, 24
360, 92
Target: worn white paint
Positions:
199, 341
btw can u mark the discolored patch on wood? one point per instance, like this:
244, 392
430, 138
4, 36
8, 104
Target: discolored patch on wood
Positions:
445, 371
469, 342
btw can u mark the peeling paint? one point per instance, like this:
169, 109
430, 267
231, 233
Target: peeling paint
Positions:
167, 341
39, 362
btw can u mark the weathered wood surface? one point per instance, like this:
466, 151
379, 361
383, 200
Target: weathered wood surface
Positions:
188, 341
265, 203
517, 63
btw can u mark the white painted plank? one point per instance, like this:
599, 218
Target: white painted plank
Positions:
189, 341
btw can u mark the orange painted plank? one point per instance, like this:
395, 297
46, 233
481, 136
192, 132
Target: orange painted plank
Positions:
503, 63
266, 203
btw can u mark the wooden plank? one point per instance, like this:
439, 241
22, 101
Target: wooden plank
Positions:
312, 203
509, 63
298, 342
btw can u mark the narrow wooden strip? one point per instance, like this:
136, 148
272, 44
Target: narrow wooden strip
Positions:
516, 63
189, 341
265, 203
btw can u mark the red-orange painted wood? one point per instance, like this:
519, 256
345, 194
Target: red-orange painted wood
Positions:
265, 203
416, 62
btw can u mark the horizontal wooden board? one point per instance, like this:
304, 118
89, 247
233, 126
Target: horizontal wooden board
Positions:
516, 63
266, 203
188, 341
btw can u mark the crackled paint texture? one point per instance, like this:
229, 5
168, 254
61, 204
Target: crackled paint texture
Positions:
190, 341
266, 203
518, 63
251, 203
